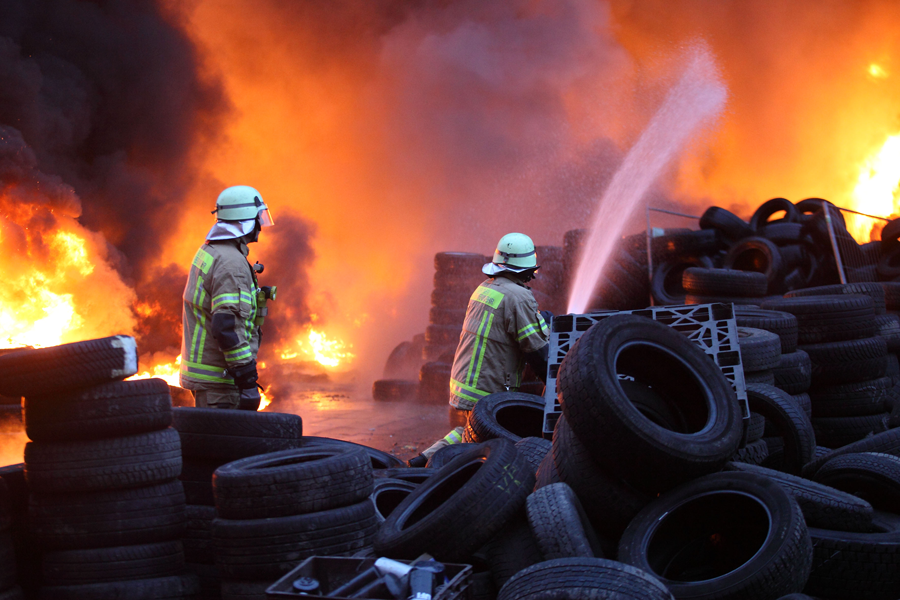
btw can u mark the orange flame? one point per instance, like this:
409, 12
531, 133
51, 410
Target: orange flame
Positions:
165, 371
328, 353
876, 188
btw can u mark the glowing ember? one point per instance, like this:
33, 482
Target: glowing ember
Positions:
165, 371
877, 71
329, 353
876, 190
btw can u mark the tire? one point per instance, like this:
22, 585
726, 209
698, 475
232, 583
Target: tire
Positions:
724, 282
387, 494
245, 590
891, 295
783, 233
508, 415
754, 453
379, 458
828, 318
887, 442
511, 550
162, 588
851, 399
269, 548
685, 243
234, 434
757, 254
546, 473
793, 373
457, 299
443, 335
110, 410
458, 262
108, 518
415, 475
759, 377
873, 290
83, 466
760, 349
805, 404
789, 420
854, 565
731, 226
42, 371
292, 482
123, 563
583, 579
848, 361
871, 476
835, 432
768, 548
196, 477
197, 539
684, 423
447, 316
534, 449
666, 284
560, 525
737, 301
756, 427
447, 453
768, 208
457, 281
609, 502
8, 571
888, 327
394, 390
434, 383
783, 324
822, 506
460, 507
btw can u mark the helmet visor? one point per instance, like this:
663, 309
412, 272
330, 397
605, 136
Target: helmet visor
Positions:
265, 218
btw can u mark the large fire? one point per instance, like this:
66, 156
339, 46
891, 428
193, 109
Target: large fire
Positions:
317, 346
876, 189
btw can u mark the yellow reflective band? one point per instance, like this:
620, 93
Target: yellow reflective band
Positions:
479, 340
203, 260
453, 437
544, 329
466, 391
526, 331
192, 370
487, 296
482, 352
221, 299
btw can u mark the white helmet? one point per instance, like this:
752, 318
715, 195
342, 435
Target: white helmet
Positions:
238, 209
515, 252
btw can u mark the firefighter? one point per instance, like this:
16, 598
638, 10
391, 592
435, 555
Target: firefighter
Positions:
503, 330
220, 333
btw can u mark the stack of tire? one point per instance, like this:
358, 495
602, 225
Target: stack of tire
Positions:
849, 392
9, 574
10, 408
705, 286
210, 439
276, 509
401, 372
549, 285
105, 505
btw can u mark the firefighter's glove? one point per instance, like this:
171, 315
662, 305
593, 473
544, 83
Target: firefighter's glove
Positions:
245, 376
250, 399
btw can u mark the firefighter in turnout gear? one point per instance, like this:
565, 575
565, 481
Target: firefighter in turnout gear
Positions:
220, 322
503, 330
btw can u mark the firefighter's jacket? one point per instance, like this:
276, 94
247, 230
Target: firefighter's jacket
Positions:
502, 325
221, 287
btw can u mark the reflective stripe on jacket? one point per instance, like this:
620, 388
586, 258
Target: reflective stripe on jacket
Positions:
220, 280
502, 325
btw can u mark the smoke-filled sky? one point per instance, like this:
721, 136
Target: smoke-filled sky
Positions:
388, 131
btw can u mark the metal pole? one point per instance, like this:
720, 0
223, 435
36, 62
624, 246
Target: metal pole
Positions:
834, 244
650, 256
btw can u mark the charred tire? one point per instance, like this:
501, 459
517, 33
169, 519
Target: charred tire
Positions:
461, 506
680, 418
162, 588
108, 518
42, 371
764, 554
234, 434
822, 506
848, 361
610, 503
387, 494
783, 324
583, 579
291, 482
768, 208
508, 415
790, 422
731, 226
90, 465
560, 525
760, 349
534, 449
871, 476
269, 548
123, 563
110, 410
836, 432
724, 282
793, 374
873, 290
759, 255
828, 318
394, 390
380, 459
